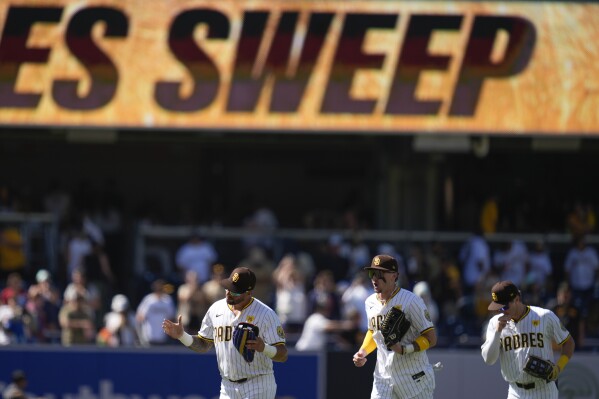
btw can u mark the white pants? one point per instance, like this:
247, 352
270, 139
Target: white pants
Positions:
385, 389
261, 387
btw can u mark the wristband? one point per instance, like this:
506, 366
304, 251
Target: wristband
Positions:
269, 350
423, 343
186, 339
408, 349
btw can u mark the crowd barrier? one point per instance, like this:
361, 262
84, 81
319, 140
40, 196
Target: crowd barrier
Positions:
176, 373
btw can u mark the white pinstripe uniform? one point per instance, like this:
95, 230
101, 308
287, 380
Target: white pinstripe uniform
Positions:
532, 334
395, 375
217, 328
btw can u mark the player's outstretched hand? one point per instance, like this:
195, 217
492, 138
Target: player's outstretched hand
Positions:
360, 358
173, 330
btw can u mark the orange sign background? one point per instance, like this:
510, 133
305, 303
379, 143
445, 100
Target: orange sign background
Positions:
556, 93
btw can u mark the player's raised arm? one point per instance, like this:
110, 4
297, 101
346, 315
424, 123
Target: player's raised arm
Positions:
176, 331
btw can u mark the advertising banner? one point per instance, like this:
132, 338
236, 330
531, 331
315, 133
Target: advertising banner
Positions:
60, 373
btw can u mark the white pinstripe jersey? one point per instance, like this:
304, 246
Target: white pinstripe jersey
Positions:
217, 328
531, 335
402, 369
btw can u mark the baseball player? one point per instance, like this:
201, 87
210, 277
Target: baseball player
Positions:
517, 332
403, 371
240, 379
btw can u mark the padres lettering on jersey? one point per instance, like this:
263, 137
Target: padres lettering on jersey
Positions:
223, 333
375, 322
527, 340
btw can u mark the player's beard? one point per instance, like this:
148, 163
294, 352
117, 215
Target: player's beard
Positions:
234, 300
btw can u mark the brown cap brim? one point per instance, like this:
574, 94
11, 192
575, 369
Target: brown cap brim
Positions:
378, 268
227, 284
495, 306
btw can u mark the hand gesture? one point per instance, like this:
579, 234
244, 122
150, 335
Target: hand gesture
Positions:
173, 330
502, 322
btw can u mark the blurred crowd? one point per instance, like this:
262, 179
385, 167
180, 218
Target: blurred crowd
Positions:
319, 296
318, 291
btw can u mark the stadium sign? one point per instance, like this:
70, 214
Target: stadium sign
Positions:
359, 66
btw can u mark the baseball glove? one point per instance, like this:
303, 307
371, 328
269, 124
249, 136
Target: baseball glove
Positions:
241, 333
394, 326
541, 368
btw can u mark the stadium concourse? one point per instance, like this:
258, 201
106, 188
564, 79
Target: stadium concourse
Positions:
122, 211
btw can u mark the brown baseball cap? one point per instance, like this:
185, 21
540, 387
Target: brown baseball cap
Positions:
383, 262
503, 293
241, 280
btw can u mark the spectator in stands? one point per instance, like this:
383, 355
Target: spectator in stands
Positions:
192, 303
261, 264
57, 201
197, 254
489, 215
119, 325
333, 256
568, 313
511, 263
416, 264
12, 253
45, 326
432, 258
475, 258
15, 288
153, 309
79, 285
423, 290
317, 332
78, 246
449, 294
580, 221
99, 274
359, 255
212, 288
46, 287
354, 296
76, 321
325, 287
538, 275
14, 323
261, 225
291, 300
582, 271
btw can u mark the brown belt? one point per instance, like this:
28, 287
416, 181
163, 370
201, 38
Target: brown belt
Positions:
526, 386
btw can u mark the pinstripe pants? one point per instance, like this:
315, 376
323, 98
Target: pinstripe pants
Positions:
541, 390
260, 387
383, 389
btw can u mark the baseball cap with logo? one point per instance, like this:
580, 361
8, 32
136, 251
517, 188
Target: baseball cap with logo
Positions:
241, 280
383, 262
503, 293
